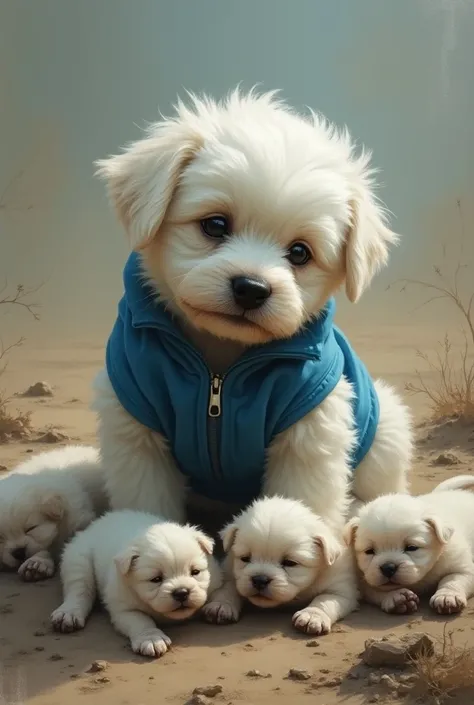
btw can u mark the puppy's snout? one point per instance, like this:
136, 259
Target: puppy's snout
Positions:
388, 570
19, 554
260, 582
180, 594
250, 292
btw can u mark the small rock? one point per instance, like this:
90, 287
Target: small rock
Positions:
404, 689
313, 643
3, 468
389, 682
373, 679
445, 459
299, 674
197, 699
374, 698
210, 691
254, 673
333, 682
397, 653
102, 679
407, 678
40, 389
38, 632
97, 667
56, 657
52, 436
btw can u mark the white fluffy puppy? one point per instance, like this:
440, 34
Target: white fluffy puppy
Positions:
43, 502
143, 569
406, 546
245, 219
280, 552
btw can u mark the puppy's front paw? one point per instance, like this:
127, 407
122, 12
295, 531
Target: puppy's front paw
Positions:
400, 602
312, 621
220, 612
152, 644
68, 620
36, 568
447, 602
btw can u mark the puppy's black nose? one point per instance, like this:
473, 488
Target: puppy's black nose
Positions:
180, 594
19, 554
250, 292
260, 582
388, 569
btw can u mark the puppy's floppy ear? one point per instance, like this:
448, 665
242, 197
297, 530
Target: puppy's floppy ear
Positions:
368, 236
126, 560
228, 535
442, 532
331, 547
205, 542
350, 530
52, 506
142, 179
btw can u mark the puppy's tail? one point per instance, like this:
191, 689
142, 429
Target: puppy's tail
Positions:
459, 482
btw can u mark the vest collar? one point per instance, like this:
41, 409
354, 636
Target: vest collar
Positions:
147, 312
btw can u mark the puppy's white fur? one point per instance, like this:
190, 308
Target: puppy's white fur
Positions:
136, 562
279, 178
43, 502
281, 542
428, 539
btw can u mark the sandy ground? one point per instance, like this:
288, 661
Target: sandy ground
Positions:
46, 669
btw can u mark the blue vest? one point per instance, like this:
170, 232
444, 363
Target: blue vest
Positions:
219, 429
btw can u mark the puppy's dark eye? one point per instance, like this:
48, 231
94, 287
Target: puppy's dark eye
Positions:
31, 528
286, 563
157, 579
299, 254
245, 559
217, 226
370, 552
410, 548
195, 571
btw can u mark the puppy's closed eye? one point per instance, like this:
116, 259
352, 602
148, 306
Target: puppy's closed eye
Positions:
410, 548
370, 552
158, 579
29, 529
246, 559
287, 563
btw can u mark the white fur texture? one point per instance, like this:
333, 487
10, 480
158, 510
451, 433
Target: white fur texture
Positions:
278, 178
428, 543
43, 502
294, 556
136, 562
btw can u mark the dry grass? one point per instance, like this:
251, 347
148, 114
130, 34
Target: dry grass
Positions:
13, 425
451, 392
447, 672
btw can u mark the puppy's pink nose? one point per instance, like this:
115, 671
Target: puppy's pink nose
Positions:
250, 292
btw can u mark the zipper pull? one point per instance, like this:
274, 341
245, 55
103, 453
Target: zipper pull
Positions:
215, 397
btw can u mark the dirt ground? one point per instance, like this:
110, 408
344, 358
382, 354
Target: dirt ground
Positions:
43, 668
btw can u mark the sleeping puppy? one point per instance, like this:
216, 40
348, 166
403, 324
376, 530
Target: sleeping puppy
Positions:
43, 502
279, 552
143, 569
407, 546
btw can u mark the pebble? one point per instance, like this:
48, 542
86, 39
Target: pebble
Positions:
210, 691
299, 674
396, 653
97, 667
254, 673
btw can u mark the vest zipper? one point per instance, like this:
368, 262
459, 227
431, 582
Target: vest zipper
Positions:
213, 423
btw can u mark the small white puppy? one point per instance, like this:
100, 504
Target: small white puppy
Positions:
43, 502
143, 569
406, 546
280, 552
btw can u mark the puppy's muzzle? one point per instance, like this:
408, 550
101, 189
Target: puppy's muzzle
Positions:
250, 292
260, 582
388, 570
180, 595
19, 554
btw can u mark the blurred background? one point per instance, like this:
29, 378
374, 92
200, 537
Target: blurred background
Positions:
79, 79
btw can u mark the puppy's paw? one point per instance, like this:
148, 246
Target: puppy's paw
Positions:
312, 621
36, 568
220, 612
400, 602
448, 602
153, 644
68, 620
